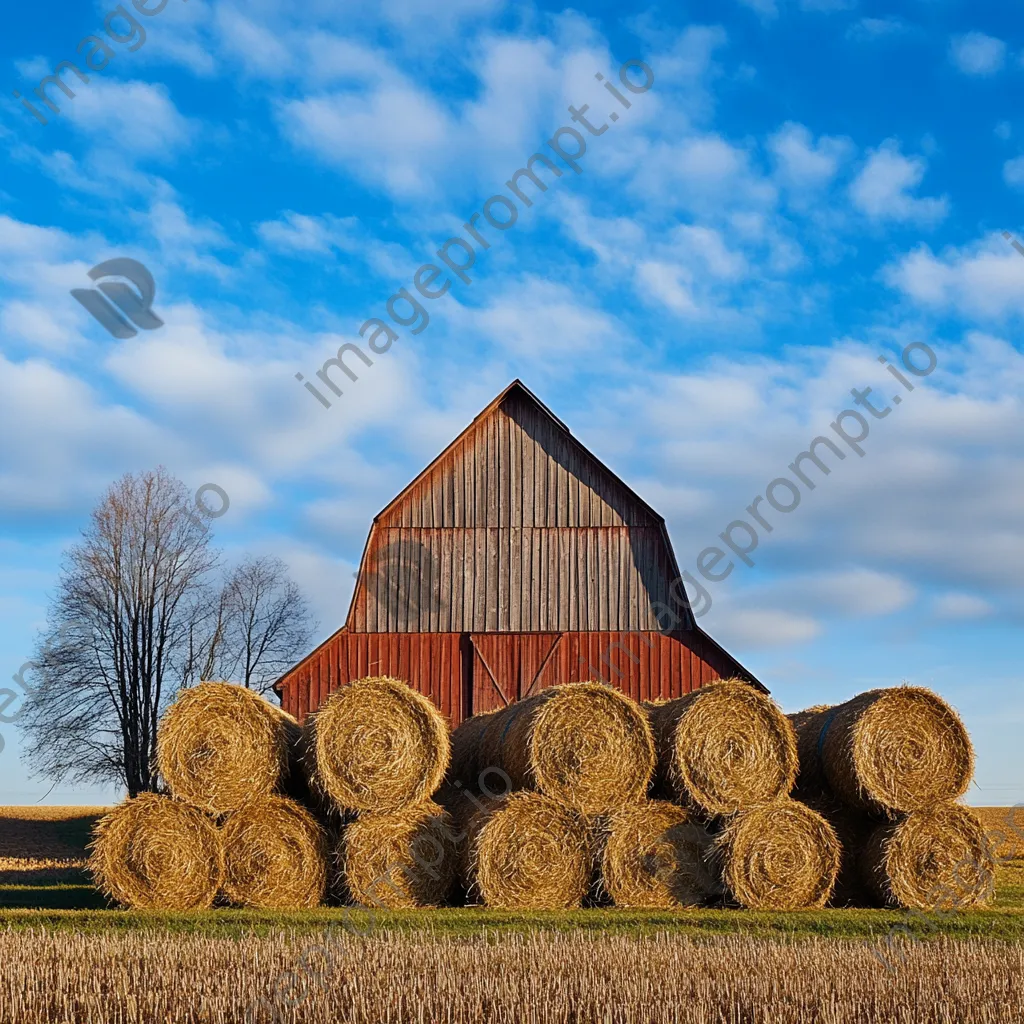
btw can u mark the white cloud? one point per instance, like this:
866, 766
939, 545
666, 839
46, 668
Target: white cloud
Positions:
954, 605
138, 118
985, 279
765, 627
869, 29
803, 163
1013, 172
975, 53
882, 190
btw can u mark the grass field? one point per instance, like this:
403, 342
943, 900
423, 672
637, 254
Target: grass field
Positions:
72, 958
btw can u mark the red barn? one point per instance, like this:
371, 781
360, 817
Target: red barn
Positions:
514, 561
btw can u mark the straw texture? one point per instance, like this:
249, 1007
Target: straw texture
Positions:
275, 855
219, 745
584, 744
899, 749
780, 856
723, 748
376, 745
157, 853
938, 859
530, 852
654, 855
403, 859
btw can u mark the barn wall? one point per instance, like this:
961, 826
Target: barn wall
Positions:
450, 668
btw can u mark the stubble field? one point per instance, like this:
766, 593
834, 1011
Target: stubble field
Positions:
69, 958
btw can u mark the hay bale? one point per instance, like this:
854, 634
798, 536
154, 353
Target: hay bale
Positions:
895, 750
780, 856
406, 858
219, 745
936, 859
528, 851
724, 747
376, 745
467, 742
654, 854
275, 855
584, 744
157, 853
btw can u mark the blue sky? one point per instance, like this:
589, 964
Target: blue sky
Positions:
807, 186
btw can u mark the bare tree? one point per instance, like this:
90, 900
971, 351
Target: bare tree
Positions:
138, 614
132, 596
263, 624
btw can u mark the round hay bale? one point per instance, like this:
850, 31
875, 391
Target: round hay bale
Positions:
157, 853
780, 856
584, 744
900, 749
654, 855
219, 745
467, 740
376, 745
275, 855
724, 748
530, 852
406, 858
936, 859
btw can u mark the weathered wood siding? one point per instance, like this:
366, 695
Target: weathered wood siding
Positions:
516, 527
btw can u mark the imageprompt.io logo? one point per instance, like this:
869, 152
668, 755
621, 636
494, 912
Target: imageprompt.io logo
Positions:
116, 306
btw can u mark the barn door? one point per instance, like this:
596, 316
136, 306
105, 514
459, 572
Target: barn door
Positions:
509, 666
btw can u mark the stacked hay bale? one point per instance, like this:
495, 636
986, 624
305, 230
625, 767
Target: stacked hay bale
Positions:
728, 754
376, 751
226, 826
555, 785
887, 768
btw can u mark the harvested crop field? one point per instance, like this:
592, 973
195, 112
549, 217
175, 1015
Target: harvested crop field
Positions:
546, 976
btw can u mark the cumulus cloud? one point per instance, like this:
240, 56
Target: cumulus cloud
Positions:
975, 53
801, 162
982, 280
883, 189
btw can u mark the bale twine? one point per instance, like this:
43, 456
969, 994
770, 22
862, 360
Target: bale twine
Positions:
780, 856
936, 859
807, 726
219, 745
724, 747
467, 742
654, 854
376, 745
530, 852
584, 744
900, 749
406, 858
157, 853
275, 855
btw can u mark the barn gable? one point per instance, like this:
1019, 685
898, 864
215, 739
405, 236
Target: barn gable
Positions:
516, 560
517, 527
